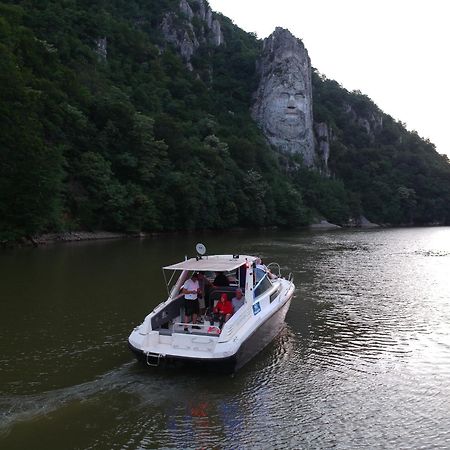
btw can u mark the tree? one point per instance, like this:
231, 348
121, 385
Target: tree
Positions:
30, 168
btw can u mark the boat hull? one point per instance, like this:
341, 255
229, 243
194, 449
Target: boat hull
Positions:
262, 336
256, 342
222, 365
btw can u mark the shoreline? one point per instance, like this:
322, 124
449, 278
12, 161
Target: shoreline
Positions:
82, 236
76, 236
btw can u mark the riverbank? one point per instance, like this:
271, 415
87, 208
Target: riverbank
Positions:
78, 236
73, 236
68, 236
322, 223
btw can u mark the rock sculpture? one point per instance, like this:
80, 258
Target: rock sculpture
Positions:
283, 100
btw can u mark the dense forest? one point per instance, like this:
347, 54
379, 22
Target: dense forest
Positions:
134, 141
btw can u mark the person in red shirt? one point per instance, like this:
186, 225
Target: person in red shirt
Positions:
223, 310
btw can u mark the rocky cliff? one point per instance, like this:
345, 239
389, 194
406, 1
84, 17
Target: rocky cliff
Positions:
283, 101
198, 27
369, 119
324, 137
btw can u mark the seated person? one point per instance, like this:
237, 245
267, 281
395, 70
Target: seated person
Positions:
238, 300
221, 280
223, 310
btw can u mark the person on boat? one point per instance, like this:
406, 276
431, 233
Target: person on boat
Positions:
223, 310
205, 289
221, 280
238, 300
190, 290
260, 265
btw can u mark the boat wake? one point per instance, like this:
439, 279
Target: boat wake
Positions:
18, 408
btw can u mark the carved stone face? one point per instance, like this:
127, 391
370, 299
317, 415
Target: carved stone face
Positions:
283, 101
286, 103
286, 110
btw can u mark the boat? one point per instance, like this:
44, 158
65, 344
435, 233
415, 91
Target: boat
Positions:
166, 338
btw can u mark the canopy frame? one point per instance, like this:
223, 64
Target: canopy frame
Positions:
213, 263
216, 263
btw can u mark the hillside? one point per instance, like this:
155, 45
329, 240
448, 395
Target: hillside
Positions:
106, 125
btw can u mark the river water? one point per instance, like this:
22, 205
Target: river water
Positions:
363, 360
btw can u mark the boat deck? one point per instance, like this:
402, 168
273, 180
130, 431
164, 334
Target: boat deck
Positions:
206, 328
175, 341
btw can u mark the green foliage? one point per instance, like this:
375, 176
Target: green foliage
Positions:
30, 166
327, 197
398, 177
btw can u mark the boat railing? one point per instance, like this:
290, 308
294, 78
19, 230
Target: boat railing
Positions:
291, 279
158, 307
276, 266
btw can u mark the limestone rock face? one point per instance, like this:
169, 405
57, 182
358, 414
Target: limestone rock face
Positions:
183, 39
324, 136
101, 48
283, 100
186, 9
184, 36
217, 36
370, 121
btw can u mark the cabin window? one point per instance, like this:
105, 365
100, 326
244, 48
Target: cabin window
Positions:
263, 286
274, 295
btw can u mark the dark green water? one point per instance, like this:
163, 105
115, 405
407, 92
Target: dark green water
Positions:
363, 361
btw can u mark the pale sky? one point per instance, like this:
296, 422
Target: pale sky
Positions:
395, 51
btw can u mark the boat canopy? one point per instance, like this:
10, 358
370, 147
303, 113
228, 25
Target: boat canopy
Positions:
216, 263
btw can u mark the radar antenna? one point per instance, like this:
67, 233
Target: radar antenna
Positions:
201, 249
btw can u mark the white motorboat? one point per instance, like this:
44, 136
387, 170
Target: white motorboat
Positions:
164, 337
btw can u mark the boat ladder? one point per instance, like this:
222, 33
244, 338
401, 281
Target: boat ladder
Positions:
154, 362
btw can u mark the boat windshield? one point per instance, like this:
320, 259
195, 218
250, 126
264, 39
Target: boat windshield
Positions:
259, 274
264, 285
